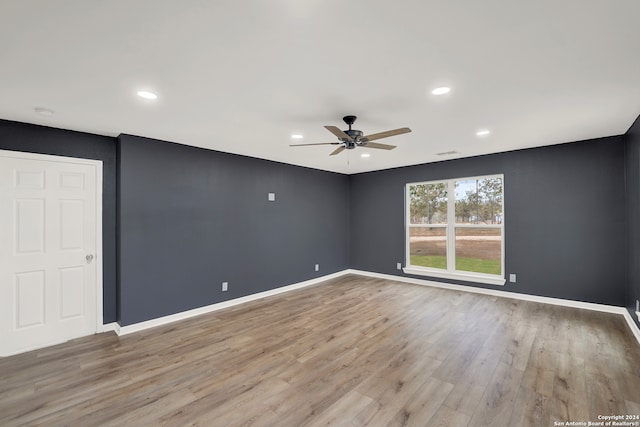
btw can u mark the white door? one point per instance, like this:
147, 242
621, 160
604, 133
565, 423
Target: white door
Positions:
50, 290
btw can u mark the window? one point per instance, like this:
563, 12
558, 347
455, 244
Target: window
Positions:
455, 229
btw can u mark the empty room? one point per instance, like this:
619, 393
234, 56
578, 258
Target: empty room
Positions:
308, 213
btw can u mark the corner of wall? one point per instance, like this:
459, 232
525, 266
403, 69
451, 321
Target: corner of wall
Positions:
631, 140
118, 242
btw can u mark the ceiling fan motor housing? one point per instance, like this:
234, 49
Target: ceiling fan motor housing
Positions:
354, 134
350, 145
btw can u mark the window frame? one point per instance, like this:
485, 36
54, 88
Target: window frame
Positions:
450, 230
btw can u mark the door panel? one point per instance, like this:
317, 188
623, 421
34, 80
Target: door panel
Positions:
71, 292
48, 229
29, 226
71, 224
29, 179
29, 299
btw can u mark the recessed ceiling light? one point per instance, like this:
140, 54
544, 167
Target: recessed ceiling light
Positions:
147, 95
297, 136
441, 90
483, 132
44, 111
365, 155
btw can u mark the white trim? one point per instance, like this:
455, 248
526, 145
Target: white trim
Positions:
109, 327
503, 294
47, 157
98, 252
632, 325
99, 247
456, 275
478, 226
451, 228
136, 327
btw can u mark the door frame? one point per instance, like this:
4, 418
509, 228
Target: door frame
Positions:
99, 320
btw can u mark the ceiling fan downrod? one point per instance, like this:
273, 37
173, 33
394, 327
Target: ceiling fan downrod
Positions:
349, 120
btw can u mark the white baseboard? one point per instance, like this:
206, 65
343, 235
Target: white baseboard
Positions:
632, 325
503, 294
128, 329
108, 327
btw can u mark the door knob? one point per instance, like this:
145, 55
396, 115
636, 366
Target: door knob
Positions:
89, 258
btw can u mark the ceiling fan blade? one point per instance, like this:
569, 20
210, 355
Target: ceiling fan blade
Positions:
319, 143
337, 151
377, 145
386, 134
337, 132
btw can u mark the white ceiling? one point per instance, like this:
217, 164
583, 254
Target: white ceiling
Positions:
242, 76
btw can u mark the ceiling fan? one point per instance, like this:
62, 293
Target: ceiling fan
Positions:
352, 138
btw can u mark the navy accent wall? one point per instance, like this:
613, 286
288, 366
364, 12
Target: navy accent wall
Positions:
564, 217
632, 169
190, 219
24, 137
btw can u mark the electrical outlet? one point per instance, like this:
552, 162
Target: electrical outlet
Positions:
512, 278
399, 266
225, 286
317, 267
272, 197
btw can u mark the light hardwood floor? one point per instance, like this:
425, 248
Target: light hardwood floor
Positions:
352, 351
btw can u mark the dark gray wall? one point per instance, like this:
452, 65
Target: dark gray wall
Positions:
564, 217
190, 219
44, 140
632, 169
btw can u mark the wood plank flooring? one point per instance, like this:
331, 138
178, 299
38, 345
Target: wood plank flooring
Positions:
353, 351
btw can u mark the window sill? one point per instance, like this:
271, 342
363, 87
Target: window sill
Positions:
467, 277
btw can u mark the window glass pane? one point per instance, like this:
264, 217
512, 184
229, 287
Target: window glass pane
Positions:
428, 247
479, 250
428, 203
479, 201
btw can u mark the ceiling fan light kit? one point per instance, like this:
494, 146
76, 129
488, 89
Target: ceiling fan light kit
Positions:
351, 138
